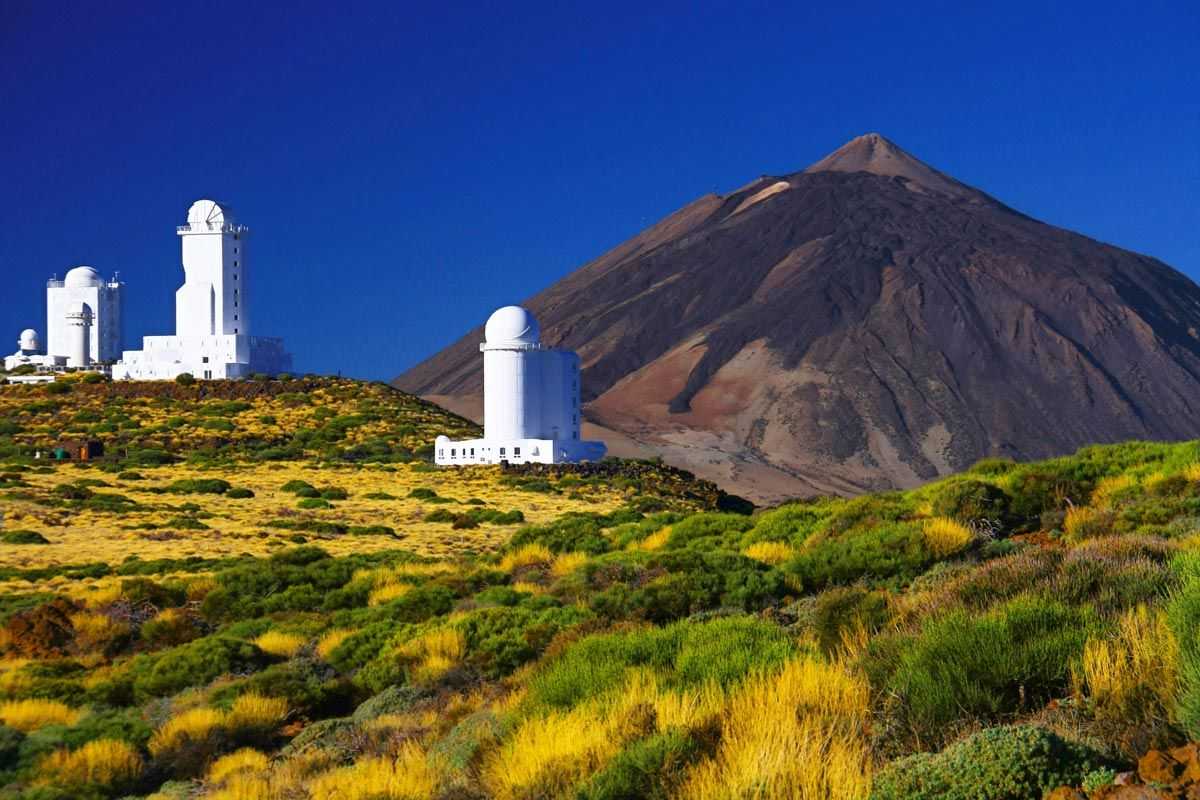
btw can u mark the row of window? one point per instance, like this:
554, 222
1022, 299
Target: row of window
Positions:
471, 454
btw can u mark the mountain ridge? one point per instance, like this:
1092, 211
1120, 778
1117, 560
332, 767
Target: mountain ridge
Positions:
844, 329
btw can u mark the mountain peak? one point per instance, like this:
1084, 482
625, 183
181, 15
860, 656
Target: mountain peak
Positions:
878, 155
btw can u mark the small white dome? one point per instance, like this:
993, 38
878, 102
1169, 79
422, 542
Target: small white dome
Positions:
512, 324
29, 340
82, 277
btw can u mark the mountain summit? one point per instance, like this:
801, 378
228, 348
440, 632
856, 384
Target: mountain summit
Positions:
866, 323
879, 156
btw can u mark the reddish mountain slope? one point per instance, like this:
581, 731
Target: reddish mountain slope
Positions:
869, 322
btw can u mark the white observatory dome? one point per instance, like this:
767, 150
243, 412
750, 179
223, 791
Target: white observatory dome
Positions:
29, 340
82, 277
209, 212
512, 324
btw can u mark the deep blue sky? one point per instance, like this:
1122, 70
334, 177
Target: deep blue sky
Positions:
405, 170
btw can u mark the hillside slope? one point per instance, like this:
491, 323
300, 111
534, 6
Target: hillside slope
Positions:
330, 626
866, 323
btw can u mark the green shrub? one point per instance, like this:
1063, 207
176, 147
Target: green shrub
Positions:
313, 502
1183, 616
296, 486
893, 551
709, 530
23, 537
648, 768
185, 379
971, 500
239, 493
334, 493
1015, 657
1008, 763
200, 486
687, 654
193, 664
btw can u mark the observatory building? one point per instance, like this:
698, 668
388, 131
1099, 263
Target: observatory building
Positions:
212, 316
530, 400
83, 324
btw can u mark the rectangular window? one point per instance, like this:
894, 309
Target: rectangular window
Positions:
472, 452
235, 262
453, 452
204, 359
442, 453
501, 451
516, 451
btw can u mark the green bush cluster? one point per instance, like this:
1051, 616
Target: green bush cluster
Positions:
1005, 763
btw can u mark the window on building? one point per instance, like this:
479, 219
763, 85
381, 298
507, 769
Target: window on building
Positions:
472, 452
235, 237
516, 451
441, 452
235, 262
453, 452
204, 360
575, 435
235, 330
501, 451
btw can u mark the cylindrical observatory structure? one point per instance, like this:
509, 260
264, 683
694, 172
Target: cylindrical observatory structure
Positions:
79, 329
511, 376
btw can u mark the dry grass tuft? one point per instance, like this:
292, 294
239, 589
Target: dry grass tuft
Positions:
1085, 522
407, 777
101, 762
946, 536
277, 643
192, 725
1135, 674
528, 556
654, 541
330, 641
387, 593
29, 715
1107, 488
240, 761
566, 563
253, 711
797, 734
769, 552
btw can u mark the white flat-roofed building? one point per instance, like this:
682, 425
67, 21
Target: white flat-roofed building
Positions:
212, 321
531, 407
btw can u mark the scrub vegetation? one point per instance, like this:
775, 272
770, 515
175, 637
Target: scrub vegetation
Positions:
189, 629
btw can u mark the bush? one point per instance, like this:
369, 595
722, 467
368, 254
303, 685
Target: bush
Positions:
1183, 617
689, 654
1012, 658
200, 486
1007, 763
648, 768
971, 500
239, 493
23, 537
895, 550
185, 379
193, 664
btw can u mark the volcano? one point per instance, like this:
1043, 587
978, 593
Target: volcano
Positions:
866, 323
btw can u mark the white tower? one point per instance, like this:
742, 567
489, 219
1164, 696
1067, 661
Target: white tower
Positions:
530, 400
79, 328
510, 371
212, 300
